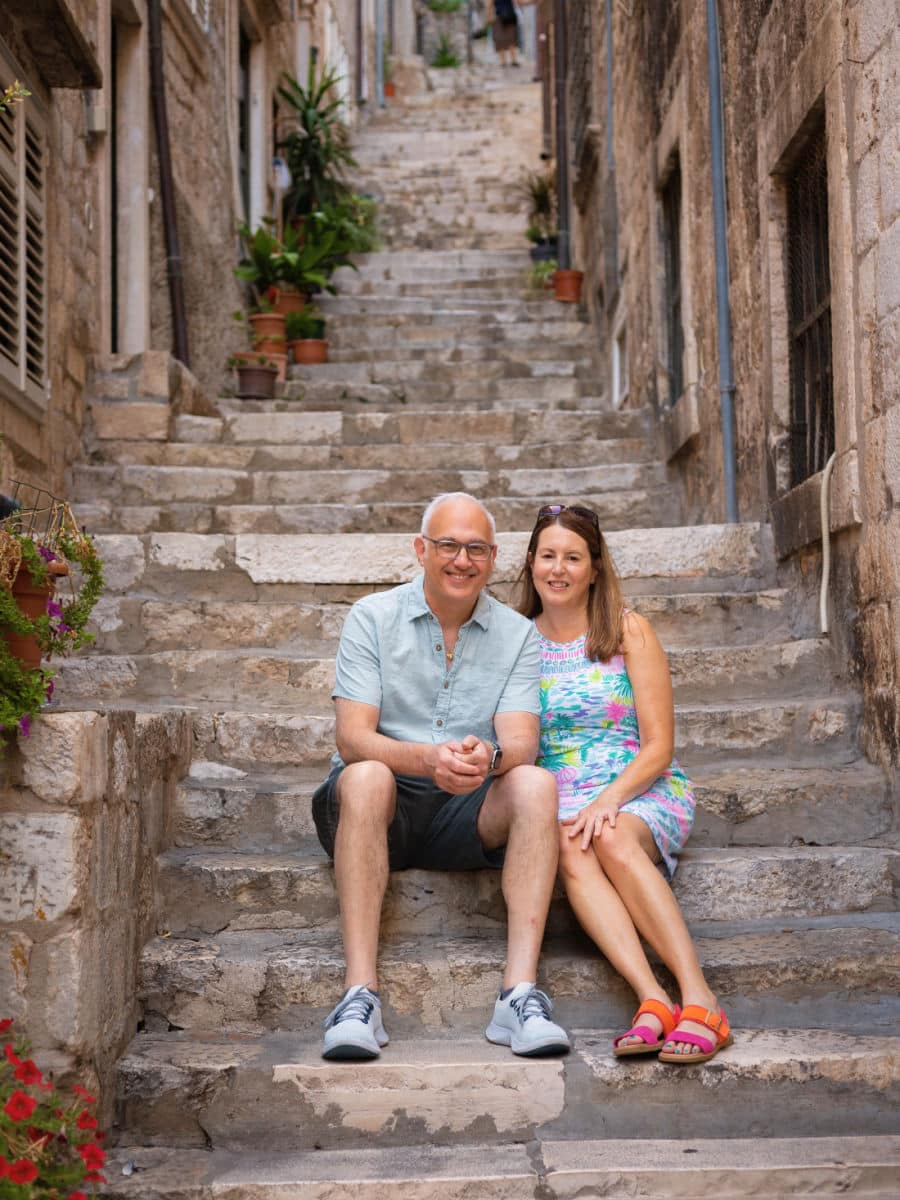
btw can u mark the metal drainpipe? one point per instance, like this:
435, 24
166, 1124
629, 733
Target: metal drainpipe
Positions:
379, 53
720, 227
560, 55
166, 184
359, 51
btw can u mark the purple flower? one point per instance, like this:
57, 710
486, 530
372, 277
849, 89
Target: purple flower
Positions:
54, 608
25, 725
49, 691
62, 627
46, 554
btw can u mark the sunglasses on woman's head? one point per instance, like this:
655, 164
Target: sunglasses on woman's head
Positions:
553, 510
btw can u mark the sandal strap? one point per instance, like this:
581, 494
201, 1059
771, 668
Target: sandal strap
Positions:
693, 1039
647, 1035
667, 1017
717, 1022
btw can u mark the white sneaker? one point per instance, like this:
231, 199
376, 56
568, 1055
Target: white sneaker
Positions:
522, 1022
353, 1028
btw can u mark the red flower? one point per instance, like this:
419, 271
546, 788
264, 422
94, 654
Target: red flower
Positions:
5, 1024
19, 1106
94, 1177
86, 1096
4, 1167
77, 1196
11, 1055
93, 1156
23, 1171
86, 1121
28, 1073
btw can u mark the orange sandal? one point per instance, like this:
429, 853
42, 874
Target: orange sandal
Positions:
715, 1022
650, 1042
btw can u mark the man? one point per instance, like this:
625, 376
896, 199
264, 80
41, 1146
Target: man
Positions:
437, 705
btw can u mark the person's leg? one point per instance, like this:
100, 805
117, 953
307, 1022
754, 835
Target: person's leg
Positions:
606, 920
627, 855
367, 798
519, 812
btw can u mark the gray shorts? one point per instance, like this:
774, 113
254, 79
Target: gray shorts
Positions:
431, 829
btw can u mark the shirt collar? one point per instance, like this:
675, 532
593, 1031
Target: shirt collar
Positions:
418, 605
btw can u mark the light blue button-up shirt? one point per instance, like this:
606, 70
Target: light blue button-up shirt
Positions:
392, 656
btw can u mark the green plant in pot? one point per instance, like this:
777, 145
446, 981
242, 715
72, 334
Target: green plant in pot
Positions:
40, 546
316, 144
258, 267
255, 374
306, 335
444, 54
538, 188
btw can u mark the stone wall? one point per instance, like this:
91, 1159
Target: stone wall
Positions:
84, 811
781, 62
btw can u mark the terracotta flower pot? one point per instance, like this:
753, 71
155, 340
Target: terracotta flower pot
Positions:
288, 300
567, 286
256, 382
390, 90
309, 351
266, 325
32, 600
271, 347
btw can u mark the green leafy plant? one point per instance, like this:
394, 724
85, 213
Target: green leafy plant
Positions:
51, 1142
14, 94
538, 188
444, 55
445, 6
542, 273
258, 266
306, 324
61, 628
317, 143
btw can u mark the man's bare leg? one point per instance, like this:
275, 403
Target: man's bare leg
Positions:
521, 811
367, 795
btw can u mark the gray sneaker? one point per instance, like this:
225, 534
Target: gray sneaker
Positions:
522, 1022
353, 1028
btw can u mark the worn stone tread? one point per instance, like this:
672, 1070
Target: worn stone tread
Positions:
289, 980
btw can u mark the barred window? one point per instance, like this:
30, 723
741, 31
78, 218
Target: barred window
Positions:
671, 221
23, 264
580, 72
809, 310
200, 9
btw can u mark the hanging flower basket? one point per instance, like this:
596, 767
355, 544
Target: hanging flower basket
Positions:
32, 599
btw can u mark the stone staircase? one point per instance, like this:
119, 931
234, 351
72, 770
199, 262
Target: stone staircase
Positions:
234, 549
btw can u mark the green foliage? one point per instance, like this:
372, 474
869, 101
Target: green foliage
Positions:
59, 631
14, 94
317, 144
444, 55
445, 6
306, 324
258, 266
542, 272
539, 189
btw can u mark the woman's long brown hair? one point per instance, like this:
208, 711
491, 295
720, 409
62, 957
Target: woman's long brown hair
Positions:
605, 605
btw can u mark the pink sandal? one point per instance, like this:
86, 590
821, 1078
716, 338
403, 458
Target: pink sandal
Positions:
650, 1041
715, 1022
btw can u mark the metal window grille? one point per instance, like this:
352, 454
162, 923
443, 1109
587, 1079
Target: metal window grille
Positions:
200, 9
671, 214
23, 265
809, 311
580, 72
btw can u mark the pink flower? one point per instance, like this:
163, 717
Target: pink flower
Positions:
632, 745
25, 725
616, 711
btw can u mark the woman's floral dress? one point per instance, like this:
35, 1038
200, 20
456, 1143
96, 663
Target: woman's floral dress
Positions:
589, 735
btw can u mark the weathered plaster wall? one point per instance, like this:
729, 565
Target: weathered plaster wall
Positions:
84, 811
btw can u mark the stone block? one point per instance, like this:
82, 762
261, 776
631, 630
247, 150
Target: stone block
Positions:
136, 421
65, 758
15, 961
868, 25
889, 172
868, 201
887, 273
45, 866
156, 374
113, 387
123, 560
188, 551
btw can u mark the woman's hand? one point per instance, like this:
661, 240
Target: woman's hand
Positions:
590, 820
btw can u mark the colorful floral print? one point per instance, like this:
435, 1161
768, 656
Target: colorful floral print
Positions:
589, 734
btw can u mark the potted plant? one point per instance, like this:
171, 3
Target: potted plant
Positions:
539, 189
256, 374
542, 273
316, 146
306, 335
40, 544
567, 286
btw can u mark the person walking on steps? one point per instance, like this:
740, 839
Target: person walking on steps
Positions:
504, 25
437, 701
625, 805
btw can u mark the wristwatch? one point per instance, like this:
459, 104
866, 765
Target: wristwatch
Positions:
496, 758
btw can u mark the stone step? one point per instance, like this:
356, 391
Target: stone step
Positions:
403, 332
739, 1168
294, 677
262, 1094
638, 508
391, 456
751, 806
444, 377
844, 969
149, 484
435, 347
211, 891
289, 424
525, 392
336, 568
132, 626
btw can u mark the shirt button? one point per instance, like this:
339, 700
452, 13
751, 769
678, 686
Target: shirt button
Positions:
438, 646
439, 722
446, 685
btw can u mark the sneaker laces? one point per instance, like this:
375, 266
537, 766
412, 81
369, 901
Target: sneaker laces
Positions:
358, 1007
534, 1003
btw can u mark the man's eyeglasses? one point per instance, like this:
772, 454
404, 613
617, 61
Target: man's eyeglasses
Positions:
553, 510
448, 548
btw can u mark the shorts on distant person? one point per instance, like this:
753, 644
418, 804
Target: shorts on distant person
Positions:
432, 829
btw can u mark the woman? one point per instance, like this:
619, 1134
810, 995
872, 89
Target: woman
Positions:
504, 24
626, 807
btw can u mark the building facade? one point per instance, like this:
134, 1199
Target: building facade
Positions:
811, 118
